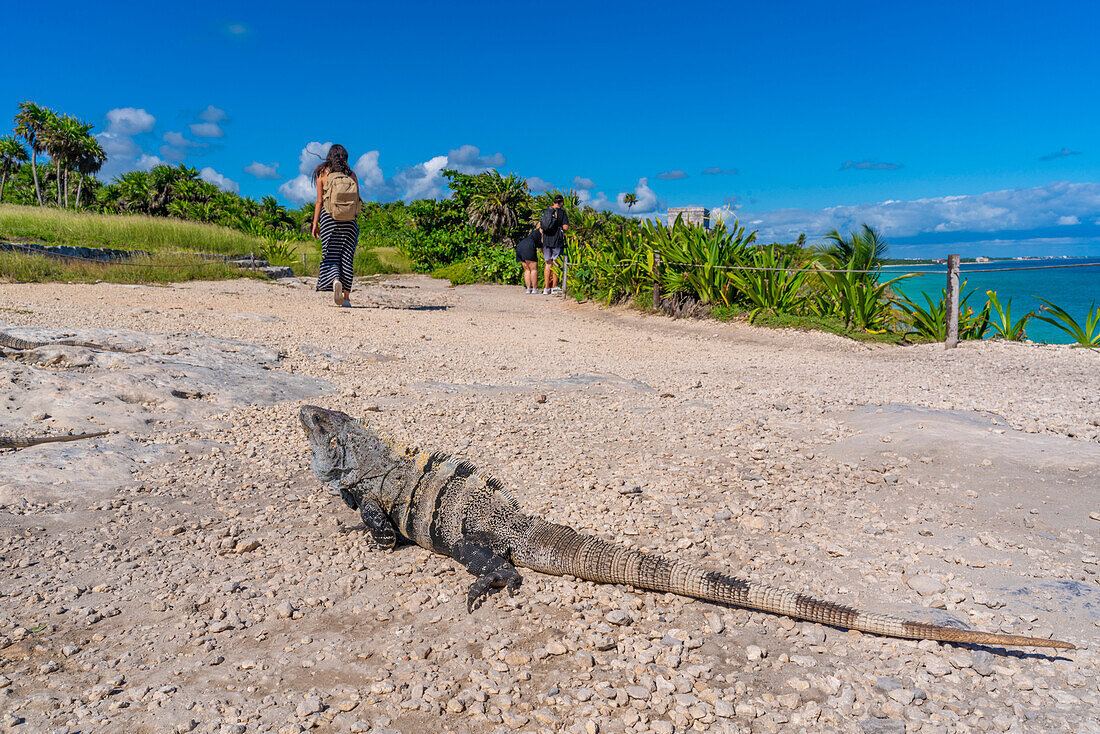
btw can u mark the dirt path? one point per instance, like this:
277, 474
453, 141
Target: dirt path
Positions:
188, 572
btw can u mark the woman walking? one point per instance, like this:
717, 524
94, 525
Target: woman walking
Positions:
334, 221
527, 254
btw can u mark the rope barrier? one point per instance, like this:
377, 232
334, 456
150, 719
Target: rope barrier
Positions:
881, 271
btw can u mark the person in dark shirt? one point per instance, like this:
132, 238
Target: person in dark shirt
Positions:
553, 224
527, 252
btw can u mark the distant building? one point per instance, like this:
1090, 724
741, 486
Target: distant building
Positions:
980, 259
697, 215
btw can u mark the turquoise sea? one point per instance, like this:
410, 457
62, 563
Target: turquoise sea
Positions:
1073, 289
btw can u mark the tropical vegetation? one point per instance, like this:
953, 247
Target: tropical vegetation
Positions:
48, 168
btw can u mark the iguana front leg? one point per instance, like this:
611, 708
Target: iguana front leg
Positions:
491, 569
376, 522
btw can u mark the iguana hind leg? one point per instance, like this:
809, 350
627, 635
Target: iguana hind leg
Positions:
490, 568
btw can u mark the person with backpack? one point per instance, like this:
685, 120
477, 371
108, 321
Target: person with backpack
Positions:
553, 224
334, 221
527, 254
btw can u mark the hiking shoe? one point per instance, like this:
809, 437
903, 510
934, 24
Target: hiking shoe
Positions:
530, 291
338, 292
555, 291
545, 291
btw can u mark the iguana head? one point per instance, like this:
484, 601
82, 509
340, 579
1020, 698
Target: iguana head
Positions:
346, 454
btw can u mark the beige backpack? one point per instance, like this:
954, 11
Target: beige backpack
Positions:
341, 198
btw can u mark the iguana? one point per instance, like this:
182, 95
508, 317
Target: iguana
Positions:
14, 443
14, 342
449, 506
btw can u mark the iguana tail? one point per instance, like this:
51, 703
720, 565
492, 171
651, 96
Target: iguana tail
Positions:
14, 342
11, 442
557, 549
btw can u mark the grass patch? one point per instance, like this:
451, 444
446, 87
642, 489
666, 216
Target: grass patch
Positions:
458, 273
157, 268
392, 257
780, 320
123, 232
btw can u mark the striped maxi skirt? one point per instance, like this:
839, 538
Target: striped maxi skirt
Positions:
338, 242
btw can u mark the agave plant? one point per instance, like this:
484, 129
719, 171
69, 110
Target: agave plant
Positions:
859, 299
279, 252
931, 322
777, 286
1087, 335
699, 261
1003, 324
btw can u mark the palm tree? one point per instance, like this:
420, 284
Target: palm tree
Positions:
64, 137
862, 250
30, 123
134, 192
12, 156
630, 200
90, 159
493, 204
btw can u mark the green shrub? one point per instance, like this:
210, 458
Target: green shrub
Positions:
429, 250
496, 265
457, 273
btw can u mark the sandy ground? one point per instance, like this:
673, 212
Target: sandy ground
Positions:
188, 572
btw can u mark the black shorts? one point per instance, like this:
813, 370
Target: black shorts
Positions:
526, 250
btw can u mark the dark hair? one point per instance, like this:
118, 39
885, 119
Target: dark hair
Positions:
337, 160
559, 199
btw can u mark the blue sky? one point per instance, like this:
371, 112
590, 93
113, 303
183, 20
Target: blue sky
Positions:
972, 125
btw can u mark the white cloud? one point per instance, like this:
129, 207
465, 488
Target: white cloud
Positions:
1068, 220
646, 203
206, 130
719, 171
129, 121
372, 182
1054, 204
468, 159
178, 141
583, 184
177, 145
209, 175
262, 170
298, 190
123, 152
421, 181
237, 29
212, 114
673, 175
301, 188
538, 185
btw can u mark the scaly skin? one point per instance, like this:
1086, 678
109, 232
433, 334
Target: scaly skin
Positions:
14, 342
14, 443
448, 506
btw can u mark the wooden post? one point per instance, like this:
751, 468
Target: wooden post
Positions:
656, 280
952, 302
